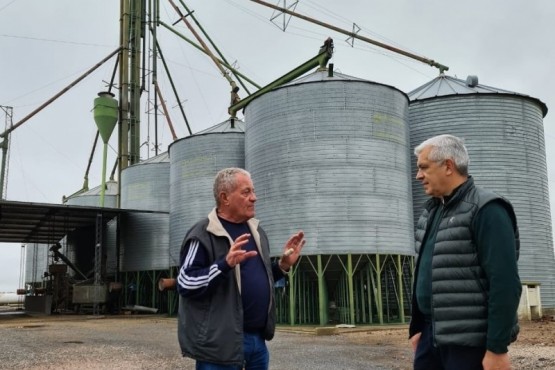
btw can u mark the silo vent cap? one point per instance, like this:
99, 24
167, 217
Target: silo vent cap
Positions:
472, 81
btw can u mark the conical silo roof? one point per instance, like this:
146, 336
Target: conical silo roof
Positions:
111, 189
160, 158
444, 85
323, 75
91, 197
224, 127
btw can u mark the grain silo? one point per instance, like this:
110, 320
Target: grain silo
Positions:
36, 264
92, 197
144, 236
81, 242
194, 162
329, 154
110, 243
503, 132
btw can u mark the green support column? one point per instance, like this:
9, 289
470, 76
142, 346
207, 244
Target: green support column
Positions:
350, 288
135, 81
125, 288
400, 283
173, 297
412, 267
379, 301
369, 294
292, 292
301, 299
154, 289
321, 293
138, 289
361, 298
342, 301
306, 299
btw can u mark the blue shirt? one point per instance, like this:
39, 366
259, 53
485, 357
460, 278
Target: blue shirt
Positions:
254, 282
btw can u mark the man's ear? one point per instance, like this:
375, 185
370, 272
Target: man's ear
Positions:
450, 166
224, 199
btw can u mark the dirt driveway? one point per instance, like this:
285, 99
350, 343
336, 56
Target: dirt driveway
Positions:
150, 342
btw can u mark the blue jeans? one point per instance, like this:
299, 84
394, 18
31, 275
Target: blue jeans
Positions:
429, 357
255, 353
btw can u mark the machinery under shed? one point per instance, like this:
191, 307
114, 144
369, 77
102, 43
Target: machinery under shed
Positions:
57, 283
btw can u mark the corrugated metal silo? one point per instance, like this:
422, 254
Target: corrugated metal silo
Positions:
195, 160
144, 236
330, 155
36, 262
81, 242
504, 135
110, 243
92, 197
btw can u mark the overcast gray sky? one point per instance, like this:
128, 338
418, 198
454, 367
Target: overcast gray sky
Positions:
45, 45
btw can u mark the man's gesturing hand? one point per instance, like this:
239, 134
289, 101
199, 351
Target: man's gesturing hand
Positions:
236, 254
292, 250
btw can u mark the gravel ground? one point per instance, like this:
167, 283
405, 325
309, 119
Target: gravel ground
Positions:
150, 342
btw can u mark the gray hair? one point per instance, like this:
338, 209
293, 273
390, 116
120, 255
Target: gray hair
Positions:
226, 181
447, 147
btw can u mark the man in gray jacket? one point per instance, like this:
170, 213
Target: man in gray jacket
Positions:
226, 280
467, 289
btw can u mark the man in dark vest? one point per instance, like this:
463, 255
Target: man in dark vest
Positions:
466, 288
226, 281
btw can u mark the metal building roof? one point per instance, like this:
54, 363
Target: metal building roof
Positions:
24, 222
444, 85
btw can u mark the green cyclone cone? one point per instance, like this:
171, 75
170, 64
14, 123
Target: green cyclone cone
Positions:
105, 114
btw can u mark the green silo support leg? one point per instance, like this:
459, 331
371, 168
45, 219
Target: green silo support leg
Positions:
350, 287
321, 293
293, 290
369, 292
153, 289
171, 298
102, 188
301, 300
361, 297
379, 288
342, 296
138, 289
401, 290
